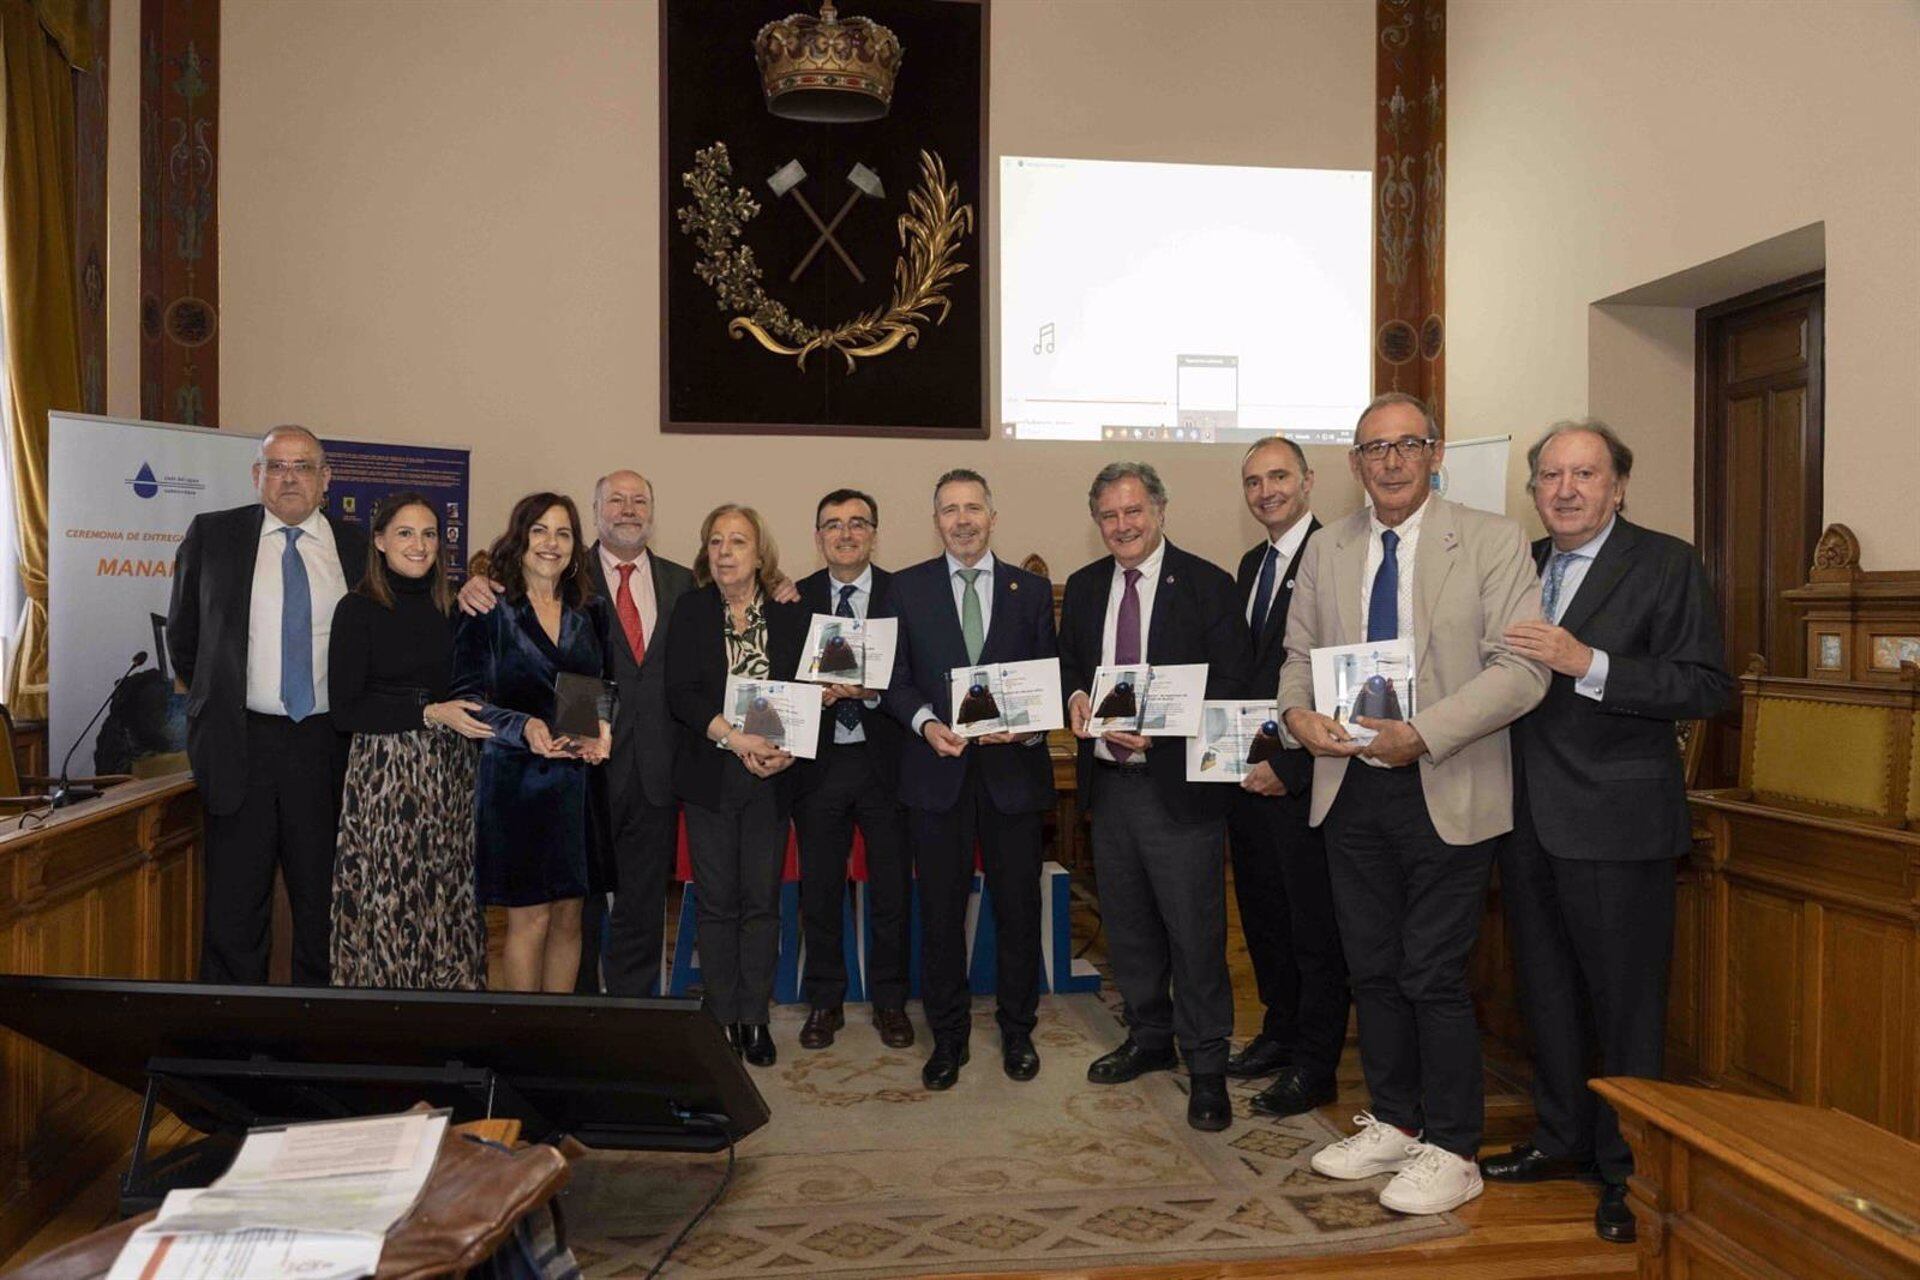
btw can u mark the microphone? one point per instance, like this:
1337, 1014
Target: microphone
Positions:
64, 793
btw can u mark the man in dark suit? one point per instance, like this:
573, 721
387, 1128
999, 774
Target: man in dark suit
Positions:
853, 779
254, 589
964, 607
1600, 810
1159, 841
1279, 858
633, 794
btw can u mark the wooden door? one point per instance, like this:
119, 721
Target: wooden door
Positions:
1757, 477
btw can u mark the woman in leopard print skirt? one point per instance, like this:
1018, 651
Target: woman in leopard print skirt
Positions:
404, 912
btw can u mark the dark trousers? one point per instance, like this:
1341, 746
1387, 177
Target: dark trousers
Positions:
1409, 906
738, 852
1591, 945
1286, 914
290, 819
1163, 902
644, 840
846, 791
943, 846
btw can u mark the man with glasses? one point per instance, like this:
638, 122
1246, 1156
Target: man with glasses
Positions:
1412, 816
853, 781
254, 590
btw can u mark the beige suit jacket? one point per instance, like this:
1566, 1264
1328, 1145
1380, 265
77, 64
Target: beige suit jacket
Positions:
1473, 577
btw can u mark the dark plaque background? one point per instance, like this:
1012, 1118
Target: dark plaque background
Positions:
711, 93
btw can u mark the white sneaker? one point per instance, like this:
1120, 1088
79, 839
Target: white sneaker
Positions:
1378, 1147
1433, 1181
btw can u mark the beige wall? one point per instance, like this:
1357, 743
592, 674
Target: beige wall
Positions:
439, 223
1599, 146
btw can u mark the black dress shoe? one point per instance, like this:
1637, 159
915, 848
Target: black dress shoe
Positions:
1260, 1057
1525, 1163
756, 1045
943, 1068
1019, 1057
1129, 1062
822, 1022
736, 1037
1209, 1109
896, 1029
1613, 1220
1292, 1094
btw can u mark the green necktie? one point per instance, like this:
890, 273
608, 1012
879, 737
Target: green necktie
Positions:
972, 629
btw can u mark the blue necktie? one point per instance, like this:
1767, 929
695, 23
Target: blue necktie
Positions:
846, 711
1263, 593
296, 631
1383, 610
1556, 582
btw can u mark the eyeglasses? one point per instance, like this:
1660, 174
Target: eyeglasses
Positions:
298, 467
856, 525
1408, 447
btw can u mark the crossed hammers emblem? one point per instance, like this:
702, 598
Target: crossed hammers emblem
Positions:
865, 182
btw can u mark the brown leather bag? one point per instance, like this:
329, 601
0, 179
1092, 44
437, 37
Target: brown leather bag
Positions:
472, 1201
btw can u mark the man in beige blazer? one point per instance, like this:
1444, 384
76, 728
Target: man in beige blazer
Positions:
1411, 825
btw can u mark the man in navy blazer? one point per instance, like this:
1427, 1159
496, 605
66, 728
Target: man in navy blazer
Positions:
1632, 639
1279, 858
254, 589
960, 608
1159, 841
853, 779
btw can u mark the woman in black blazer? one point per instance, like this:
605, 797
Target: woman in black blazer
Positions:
736, 784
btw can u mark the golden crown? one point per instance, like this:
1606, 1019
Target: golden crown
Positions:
827, 69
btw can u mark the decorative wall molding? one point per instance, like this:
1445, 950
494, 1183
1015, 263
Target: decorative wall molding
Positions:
179, 200
1410, 201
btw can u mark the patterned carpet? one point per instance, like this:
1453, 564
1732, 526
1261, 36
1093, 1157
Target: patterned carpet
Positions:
862, 1172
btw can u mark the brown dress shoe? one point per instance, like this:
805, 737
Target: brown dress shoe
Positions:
896, 1029
822, 1022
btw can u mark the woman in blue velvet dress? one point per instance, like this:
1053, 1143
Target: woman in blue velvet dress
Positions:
536, 838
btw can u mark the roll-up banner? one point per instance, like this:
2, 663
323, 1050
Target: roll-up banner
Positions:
120, 494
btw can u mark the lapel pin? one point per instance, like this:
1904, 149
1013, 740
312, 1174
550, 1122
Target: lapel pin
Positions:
1289, 584
1013, 586
1169, 579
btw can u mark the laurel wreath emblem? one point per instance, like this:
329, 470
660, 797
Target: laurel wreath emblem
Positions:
930, 232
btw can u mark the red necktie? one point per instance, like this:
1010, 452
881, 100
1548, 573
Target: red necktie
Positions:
629, 613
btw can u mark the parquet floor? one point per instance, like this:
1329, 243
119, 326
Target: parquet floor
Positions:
1517, 1233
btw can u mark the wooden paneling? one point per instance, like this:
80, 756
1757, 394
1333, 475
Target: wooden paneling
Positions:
1865, 1006
107, 888
1763, 987
1731, 1186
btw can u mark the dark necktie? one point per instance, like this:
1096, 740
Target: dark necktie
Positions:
1383, 609
1263, 593
629, 614
846, 711
1126, 640
296, 631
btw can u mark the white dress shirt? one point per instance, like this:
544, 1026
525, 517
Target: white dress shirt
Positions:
641, 587
860, 601
1409, 531
1594, 683
983, 585
1145, 589
1285, 548
326, 582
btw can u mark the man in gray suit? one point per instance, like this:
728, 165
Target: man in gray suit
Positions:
1411, 825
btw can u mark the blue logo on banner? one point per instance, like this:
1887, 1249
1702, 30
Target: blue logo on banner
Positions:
143, 482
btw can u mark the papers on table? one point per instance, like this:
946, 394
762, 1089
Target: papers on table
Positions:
1007, 697
849, 650
784, 712
310, 1200
1373, 680
1233, 737
1155, 701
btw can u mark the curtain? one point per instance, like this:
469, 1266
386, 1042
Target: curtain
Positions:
41, 41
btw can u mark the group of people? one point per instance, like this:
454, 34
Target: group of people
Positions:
393, 749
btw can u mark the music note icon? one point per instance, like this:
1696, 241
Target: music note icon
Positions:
1046, 339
